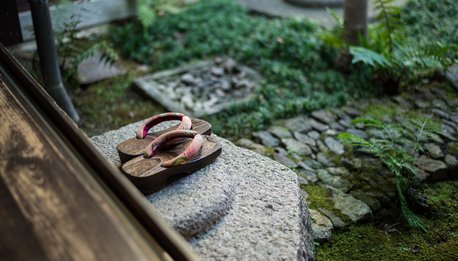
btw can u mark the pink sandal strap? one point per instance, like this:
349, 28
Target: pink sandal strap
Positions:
185, 124
190, 151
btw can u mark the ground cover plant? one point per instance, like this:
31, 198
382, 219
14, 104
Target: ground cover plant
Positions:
397, 150
298, 68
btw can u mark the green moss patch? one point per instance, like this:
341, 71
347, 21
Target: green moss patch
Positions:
112, 104
370, 242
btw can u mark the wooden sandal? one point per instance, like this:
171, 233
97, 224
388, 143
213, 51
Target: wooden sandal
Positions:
135, 146
158, 167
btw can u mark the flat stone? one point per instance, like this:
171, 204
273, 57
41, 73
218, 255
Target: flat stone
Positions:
436, 168
434, 151
451, 161
308, 175
334, 181
421, 104
324, 116
372, 202
353, 112
314, 135
452, 75
266, 138
442, 114
353, 164
337, 222
321, 146
336, 126
313, 163
318, 126
299, 124
321, 226
284, 160
243, 205
334, 145
358, 133
304, 139
93, 69
280, 132
354, 208
249, 144
452, 148
339, 171
295, 146
323, 159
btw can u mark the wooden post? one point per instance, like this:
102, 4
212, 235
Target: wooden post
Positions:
10, 29
355, 21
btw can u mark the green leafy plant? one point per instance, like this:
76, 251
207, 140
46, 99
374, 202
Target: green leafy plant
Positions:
397, 151
295, 64
399, 61
73, 50
148, 10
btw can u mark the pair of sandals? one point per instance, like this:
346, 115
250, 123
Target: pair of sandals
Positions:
151, 160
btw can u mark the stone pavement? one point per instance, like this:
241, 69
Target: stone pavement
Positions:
353, 185
243, 206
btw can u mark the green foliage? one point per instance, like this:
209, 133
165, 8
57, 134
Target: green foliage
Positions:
397, 59
72, 50
296, 65
148, 10
431, 19
397, 151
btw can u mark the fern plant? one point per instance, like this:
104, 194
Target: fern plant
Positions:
397, 151
72, 50
397, 60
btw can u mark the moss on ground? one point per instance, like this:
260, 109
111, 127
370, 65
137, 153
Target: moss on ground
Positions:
370, 242
111, 104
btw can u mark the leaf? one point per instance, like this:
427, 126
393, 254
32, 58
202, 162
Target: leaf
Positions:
366, 56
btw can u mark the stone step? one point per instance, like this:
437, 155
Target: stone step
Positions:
243, 206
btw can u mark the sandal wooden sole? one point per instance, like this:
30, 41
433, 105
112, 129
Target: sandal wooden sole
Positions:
149, 176
134, 147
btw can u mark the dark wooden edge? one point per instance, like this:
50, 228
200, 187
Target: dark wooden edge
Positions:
126, 193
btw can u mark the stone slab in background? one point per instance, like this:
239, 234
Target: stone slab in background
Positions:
262, 214
92, 69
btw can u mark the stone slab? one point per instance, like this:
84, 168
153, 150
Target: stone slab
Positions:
92, 69
266, 219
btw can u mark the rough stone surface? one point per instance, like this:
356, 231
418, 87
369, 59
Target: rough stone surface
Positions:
266, 138
337, 222
321, 226
354, 208
334, 145
298, 124
436, 168
266, 219
249, 144
280, 132
334, 181
297, 147
451, 161
324, 116
434, 151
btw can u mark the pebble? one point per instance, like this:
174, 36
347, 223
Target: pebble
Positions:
334, 145
280, 132
266, 138
434, 151
324, 116
321, 226
354, 208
